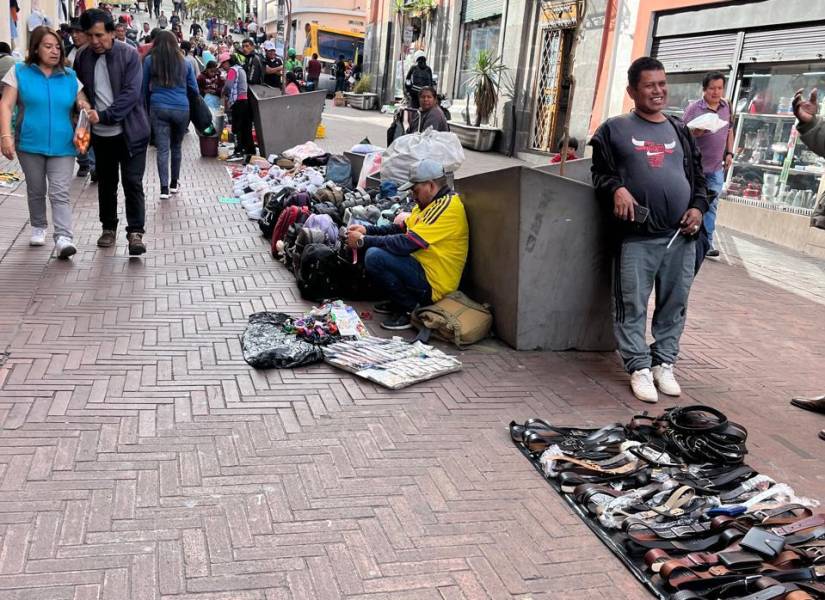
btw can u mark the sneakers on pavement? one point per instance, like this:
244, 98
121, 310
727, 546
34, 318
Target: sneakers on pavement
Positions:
385, 308
106, 239
164, 193
398, 323
64, 247
712, 253
136, 245
174, 187
93, 176
641, 382
236, 158
82, 171
665, 380
38, 236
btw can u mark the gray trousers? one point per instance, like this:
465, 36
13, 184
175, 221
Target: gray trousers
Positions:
52, 174
641, 266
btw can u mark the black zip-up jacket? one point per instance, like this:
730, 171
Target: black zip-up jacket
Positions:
254, 69
606, 177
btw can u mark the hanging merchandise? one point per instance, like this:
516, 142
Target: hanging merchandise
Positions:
266, 344
672, 497
394, 363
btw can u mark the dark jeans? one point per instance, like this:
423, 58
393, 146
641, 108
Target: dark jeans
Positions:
112, 154
87, 161
340, 84
401, 277
169, 126
242, 127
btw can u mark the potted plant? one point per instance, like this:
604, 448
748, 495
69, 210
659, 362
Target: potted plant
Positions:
486, 76
360, 97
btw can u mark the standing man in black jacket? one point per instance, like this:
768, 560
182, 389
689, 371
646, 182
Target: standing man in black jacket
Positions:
647, 168
252, 65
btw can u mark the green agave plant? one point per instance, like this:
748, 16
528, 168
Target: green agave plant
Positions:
485, 82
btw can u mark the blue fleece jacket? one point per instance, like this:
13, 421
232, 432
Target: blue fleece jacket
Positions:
174, 98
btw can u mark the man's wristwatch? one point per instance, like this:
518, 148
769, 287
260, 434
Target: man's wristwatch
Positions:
360, 242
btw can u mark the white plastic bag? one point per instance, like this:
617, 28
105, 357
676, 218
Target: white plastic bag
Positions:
371, 166
441, 146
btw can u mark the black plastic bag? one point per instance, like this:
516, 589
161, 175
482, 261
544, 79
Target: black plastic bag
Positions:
396, 130
200, 115
266, 344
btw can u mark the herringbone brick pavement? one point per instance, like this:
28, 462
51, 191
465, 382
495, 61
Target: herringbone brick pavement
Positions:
141, 458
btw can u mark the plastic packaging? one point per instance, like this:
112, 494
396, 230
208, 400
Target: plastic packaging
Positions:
82, 133
441, 146
266, 344
371, 166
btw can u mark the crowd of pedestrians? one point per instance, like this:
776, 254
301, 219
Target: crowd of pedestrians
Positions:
134, 85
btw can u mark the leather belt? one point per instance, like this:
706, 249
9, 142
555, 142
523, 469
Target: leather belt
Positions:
800, 525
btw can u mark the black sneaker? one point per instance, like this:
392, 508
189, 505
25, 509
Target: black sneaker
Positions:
397, 322
712, 253
164, 193
82, 171
385, 308
174, 187
236, 158
93, 176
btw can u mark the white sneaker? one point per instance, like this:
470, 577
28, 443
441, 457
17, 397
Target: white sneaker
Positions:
641, 382
665, 380
64, 247
38, 236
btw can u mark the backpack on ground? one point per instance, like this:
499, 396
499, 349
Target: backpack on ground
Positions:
290, 215
339, 170
273, 205
455, 318
319, 274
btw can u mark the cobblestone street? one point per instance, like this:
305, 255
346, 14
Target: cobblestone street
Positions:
142, 458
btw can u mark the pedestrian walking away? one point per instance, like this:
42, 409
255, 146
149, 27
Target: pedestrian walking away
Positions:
48, 92
715, 146
314, 68
112, 75
341, 74
167, 82
647, 168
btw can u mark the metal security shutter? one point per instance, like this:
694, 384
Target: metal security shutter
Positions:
696, 53
475, 10
778, 45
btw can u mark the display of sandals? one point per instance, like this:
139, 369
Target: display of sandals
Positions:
672, 497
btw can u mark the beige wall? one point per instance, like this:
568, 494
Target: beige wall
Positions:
47, 7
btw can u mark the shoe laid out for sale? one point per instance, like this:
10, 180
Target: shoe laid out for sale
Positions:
136, 245
641, 382
38, 236
665, 380
64, 247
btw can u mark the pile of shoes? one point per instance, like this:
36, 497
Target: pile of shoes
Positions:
298, 209
676, 501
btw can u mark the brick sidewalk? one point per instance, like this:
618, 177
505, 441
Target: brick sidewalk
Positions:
141, 458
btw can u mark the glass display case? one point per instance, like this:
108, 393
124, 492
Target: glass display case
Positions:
772, 168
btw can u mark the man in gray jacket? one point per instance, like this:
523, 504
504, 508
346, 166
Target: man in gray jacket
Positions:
812, 133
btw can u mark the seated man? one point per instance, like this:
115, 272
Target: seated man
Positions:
422, 261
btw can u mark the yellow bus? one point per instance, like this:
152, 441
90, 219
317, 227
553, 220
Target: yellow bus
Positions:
330, 43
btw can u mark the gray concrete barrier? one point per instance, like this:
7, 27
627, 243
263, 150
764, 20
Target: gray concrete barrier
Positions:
539, 255
578, 169
282, 122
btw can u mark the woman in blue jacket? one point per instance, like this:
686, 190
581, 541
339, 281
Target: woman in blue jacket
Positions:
167, 82
47, 93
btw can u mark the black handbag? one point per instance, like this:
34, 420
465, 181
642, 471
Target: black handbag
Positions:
200, 115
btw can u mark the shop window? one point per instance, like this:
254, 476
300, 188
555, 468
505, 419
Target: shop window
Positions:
477, 36
682, 89
772, 168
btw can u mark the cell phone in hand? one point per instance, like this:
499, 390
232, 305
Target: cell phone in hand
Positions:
640, 213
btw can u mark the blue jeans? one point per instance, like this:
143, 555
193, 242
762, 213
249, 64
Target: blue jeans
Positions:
401, 277
715, 182
169, 125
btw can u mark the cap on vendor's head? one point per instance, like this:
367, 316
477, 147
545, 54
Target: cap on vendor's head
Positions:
423, 170
223, 58
269, 45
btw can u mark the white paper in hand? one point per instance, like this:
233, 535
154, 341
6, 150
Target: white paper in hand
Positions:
708, 121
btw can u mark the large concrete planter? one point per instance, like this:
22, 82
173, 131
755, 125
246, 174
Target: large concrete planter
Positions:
366, 101
475, 138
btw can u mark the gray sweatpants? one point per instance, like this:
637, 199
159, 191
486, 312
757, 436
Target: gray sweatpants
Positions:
52, 175
641, 266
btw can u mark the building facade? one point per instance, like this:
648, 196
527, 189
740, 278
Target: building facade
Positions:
535, 40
